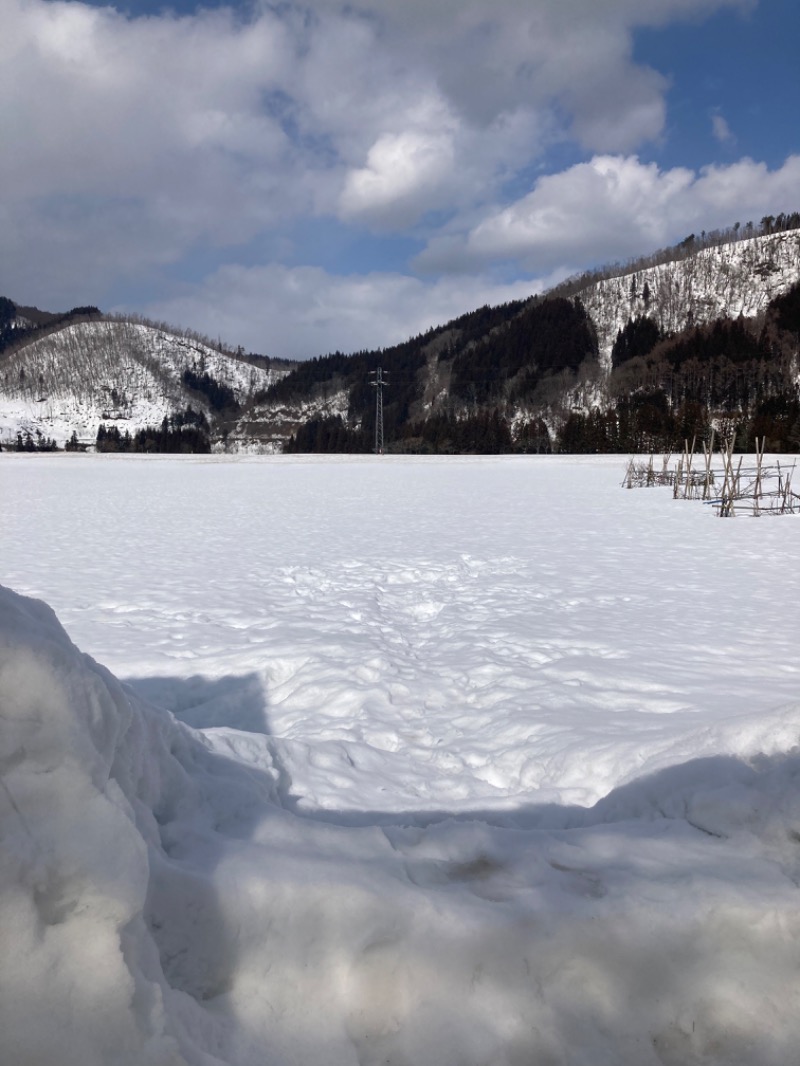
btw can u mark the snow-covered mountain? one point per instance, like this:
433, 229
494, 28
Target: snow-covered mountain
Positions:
738, 278
71, 377
116, 370
536, 363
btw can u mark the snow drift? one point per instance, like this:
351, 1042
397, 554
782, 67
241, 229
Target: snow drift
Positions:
159, 907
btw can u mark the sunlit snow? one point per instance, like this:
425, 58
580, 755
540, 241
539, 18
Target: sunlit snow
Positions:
491, 763
722, 281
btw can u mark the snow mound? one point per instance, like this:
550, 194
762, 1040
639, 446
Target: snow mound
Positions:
158, 907
93, 784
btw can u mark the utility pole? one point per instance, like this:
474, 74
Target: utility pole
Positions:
378, 384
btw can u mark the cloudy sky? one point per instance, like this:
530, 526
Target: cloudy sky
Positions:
338, 174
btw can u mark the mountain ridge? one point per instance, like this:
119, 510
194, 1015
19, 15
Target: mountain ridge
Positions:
510, 377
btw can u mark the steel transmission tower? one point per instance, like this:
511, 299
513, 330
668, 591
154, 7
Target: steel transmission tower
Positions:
378, 384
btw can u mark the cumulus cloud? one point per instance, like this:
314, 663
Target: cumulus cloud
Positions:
135, 148
297, 313
403, 173
129, 142
614, 207
92, 99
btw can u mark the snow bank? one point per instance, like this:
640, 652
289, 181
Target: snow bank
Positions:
91, 782
158, 906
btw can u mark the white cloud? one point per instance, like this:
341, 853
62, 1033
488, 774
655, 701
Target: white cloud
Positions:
492, 58
127, 143
615, 207
720, 129
134, 145
305, 311
404, 172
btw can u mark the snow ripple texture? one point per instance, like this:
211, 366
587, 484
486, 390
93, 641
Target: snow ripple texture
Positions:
414, 762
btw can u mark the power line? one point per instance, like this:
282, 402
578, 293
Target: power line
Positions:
378, 385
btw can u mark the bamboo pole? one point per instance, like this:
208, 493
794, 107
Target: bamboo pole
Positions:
677, 482
708, 449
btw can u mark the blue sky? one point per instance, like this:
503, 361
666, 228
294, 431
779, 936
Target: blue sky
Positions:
299, 178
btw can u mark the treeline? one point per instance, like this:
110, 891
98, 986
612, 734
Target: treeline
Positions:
646, 423
637, 339
8, 313
186, 432
29, 442
11, 334
724, 365
786, 311
37, 442
484, 433
690, 245
328, 434
546, 337
221, 397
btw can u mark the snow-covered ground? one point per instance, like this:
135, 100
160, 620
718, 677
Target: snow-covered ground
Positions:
497, 765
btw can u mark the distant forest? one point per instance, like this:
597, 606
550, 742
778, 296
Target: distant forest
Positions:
737, 374
11, 334
184, 433
524, 376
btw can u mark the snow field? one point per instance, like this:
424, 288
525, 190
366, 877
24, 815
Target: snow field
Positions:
416, 634
413, 679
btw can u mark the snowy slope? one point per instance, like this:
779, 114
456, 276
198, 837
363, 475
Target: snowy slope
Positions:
372, 647
90, 372
726, 281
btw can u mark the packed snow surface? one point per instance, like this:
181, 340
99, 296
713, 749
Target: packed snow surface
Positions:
471, 762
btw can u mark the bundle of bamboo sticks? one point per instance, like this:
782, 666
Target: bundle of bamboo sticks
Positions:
755, 489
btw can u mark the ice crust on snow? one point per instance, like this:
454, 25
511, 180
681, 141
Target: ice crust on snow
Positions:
197, 897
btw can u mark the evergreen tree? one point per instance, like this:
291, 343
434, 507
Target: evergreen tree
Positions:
637, 339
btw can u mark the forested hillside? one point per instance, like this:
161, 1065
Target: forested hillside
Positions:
86, 380
635, 357
700, 336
